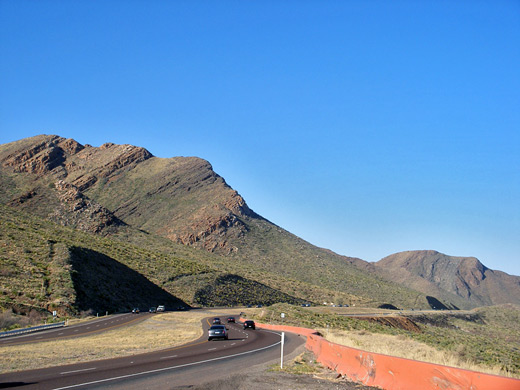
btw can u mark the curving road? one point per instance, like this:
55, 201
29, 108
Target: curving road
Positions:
83, 329
194, 363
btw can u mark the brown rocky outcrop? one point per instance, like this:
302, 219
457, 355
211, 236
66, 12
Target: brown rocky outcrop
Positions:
77, 170
211, 232
103, 162
237, 205
125, 155
80, 212
56, 159
43, 156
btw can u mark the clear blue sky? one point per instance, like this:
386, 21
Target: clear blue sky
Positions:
367, 127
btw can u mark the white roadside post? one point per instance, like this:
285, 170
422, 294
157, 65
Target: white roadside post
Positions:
281, 358
282, 343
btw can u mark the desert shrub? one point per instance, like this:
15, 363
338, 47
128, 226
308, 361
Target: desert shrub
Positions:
7, 320
10, 320
86, 313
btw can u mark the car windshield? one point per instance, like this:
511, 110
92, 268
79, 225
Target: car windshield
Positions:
217, 327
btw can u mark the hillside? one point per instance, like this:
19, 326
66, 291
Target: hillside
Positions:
177, 209
45, 266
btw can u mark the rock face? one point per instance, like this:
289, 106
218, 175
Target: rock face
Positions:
78, 211
41, 156
463, 281
96, 188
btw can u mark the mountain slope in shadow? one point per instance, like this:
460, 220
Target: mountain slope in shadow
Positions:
103, 284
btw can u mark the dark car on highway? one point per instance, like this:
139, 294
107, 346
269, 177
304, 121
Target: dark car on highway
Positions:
216, 321
217, 331
231, 319
249, 324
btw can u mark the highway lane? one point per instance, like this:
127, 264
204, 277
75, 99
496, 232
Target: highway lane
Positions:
210, 370
192, 363
97, 325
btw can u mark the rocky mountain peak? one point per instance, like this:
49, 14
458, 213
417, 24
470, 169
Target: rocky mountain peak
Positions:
41, 156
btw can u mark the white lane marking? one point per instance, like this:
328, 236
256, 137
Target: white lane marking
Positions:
166, 368
212, 349
72, 372
168, 357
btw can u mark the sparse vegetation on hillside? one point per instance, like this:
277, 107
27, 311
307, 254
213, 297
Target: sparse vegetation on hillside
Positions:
123, 193
278, 251
48, 267
41, 263
232, 290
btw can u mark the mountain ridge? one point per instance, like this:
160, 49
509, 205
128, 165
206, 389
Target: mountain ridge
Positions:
112, 189
454, 276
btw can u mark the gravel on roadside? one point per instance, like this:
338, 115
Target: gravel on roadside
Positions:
268, 376
278, 381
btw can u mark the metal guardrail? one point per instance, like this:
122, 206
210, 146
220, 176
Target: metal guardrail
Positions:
30, 330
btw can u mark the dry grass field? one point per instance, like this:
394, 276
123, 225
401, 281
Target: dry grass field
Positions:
484, 340
404, 347
158, 332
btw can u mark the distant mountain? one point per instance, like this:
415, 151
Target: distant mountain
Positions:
180, 207
462, 281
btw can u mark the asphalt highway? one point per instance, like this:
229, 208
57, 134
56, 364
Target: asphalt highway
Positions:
97, 325
191, 364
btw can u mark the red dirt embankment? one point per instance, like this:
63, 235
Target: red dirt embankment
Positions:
393, 373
